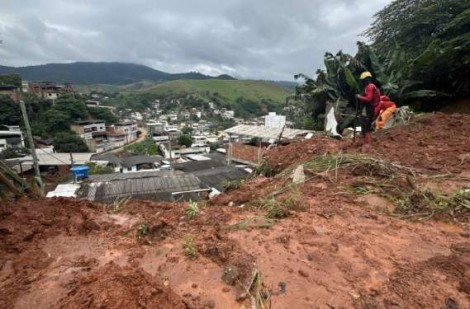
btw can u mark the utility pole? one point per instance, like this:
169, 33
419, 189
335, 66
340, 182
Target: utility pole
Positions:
33, 150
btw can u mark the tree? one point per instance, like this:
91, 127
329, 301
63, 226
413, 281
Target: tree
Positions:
67, 142
10, 79
412, 24
185, 140
103, 114
73, 108
435, 36
187, 130
55, 121
10, 113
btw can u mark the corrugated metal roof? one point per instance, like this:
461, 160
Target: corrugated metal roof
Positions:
154, 188
124, 176
140, 159
198, 165
219, 176
262, 132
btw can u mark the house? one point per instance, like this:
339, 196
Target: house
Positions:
157, 185
228, 114
11, 91
156, 128
129, 128
177, 151
185, 115
92, 103
93, 132
274, 121
199, 141
48, 90
10, 137
248, 154
117, 139
86, 128
140, 163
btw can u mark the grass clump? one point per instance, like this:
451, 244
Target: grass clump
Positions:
263, 169
143, 230
426, 205
279, 208
192, 210
189, 247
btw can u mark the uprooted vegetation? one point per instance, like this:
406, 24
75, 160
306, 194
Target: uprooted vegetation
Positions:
343, 236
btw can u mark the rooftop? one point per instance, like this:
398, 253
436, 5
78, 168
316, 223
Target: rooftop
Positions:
141, 159
85, 122
217, 177
166, 188
262, 132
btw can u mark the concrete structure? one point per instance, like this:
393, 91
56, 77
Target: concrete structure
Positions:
140, 163
128, 128
228, 114
48, 90
86, 128
12, 91
266, 133
156, 128
10, 137
92, 103
274, 121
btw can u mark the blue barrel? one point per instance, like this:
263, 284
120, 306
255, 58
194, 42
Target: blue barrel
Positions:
79, 172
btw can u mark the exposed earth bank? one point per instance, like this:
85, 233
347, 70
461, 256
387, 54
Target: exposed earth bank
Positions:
386, 227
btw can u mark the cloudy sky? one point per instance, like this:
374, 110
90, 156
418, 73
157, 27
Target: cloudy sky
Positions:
258, 39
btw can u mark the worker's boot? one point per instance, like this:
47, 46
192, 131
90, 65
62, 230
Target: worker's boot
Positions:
367, 138
367, 145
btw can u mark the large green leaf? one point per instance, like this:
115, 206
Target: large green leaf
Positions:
352, 82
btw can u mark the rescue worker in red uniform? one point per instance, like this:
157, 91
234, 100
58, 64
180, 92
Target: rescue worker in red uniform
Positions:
368, 102
384, 111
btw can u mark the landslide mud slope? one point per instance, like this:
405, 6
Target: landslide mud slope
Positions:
342, 239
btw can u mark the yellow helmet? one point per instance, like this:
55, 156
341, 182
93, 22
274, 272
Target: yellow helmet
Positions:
365, 75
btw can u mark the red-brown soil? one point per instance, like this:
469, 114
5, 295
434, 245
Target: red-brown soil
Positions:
340, 250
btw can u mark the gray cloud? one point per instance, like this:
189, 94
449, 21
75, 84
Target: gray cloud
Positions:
268, 39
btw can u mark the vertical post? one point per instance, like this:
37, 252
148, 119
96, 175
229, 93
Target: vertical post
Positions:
33, 149
229, 150
169, 148
71, 165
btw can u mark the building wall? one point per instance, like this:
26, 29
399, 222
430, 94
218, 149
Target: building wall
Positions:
274, 121
246, 153
13, 94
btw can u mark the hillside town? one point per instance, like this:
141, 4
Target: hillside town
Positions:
235, 154
194, 158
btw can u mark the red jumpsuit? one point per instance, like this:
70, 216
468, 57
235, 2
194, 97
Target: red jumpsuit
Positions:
369, 101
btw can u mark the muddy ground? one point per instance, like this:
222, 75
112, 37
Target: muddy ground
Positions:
342, 239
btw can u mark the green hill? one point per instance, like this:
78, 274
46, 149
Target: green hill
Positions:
228, 90
88, 73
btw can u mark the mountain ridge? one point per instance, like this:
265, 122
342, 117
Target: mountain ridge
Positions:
115, 73
109, 73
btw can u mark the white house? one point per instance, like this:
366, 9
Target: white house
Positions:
129, 128
274, 121
10, 137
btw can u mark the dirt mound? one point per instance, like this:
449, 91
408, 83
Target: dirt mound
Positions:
451, 271
436, 143
112, 286
300, 151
